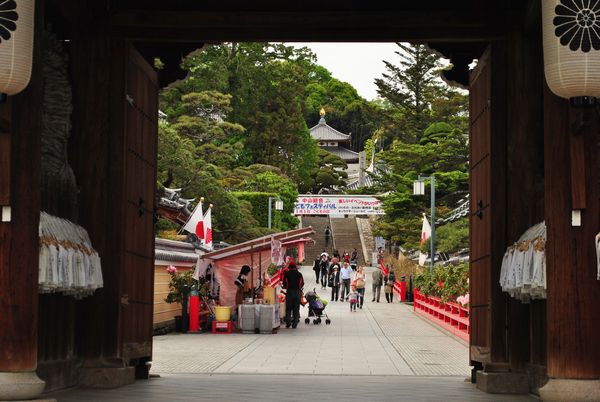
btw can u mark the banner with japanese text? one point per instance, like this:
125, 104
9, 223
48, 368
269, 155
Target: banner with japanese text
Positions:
338, 205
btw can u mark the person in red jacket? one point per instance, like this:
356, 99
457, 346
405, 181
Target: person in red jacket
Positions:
293, 283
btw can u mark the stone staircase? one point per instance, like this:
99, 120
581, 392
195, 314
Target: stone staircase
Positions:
318, 223
347, 237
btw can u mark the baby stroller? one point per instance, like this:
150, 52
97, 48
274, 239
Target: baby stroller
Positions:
316, 306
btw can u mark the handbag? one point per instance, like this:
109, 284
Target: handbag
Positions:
360, 283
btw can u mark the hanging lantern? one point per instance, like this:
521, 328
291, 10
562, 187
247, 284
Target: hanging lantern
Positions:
16, 44
572, 48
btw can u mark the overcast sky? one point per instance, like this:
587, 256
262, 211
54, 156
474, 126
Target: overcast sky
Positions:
356, 63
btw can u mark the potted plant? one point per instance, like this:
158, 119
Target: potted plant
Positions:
179, 281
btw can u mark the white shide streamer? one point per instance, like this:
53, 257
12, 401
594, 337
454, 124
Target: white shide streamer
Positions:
68, 263
523, 272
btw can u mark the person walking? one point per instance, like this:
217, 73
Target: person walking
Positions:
346, 257
360, 280
334, 282
317, 267
389, 280
354, 259
327, 235
345, 276
324, 267
377, 282
293, 282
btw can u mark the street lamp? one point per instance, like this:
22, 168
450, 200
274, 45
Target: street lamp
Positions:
278, 207
419, 189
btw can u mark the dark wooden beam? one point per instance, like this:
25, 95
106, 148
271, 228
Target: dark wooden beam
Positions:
525, 168
19, 240
171, 55
423, 23
5, 118
573, 292
461, 55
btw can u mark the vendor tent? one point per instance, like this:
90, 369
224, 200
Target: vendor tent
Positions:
254, 253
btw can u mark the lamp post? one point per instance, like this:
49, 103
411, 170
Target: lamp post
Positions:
278, 207
419, 189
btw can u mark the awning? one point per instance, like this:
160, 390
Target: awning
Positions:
261, 243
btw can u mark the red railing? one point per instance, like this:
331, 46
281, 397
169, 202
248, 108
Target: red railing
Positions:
400, 290
451, 316
275, 279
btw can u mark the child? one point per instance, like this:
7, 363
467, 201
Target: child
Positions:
353, 298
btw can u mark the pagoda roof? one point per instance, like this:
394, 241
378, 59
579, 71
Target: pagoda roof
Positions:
344, 153
324, 132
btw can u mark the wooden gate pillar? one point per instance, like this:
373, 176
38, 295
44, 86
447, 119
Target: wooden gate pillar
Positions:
20, 164
571, 182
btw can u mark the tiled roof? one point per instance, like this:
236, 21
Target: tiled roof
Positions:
344, 153
324, 132
176, 251
370, 174
459, 212
353, 185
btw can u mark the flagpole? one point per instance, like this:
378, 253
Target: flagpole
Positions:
432, 240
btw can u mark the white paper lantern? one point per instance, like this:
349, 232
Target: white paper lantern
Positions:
16, 44
572, 47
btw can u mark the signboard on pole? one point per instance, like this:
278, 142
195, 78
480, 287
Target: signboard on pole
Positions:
276, 252
309, 204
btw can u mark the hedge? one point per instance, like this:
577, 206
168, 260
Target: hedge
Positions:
260, 207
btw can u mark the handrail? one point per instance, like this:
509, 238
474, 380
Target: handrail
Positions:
451, 316
332, 234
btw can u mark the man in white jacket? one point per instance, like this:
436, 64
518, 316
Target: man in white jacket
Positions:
346, 276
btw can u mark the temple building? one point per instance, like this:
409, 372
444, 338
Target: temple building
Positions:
333, 141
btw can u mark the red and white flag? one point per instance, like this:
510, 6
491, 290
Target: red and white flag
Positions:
208, 237
196, 223
426, 230
425, 234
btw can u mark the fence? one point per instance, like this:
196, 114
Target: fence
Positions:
275, 279
450, 316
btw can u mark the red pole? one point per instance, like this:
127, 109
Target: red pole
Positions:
194, 313
402, 291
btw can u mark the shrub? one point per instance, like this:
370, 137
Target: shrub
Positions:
455, 279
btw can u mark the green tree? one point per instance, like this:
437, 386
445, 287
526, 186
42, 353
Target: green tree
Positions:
270, 182
442, 152
410, 86
331, 173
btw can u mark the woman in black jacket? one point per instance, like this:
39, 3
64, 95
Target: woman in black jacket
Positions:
388, 287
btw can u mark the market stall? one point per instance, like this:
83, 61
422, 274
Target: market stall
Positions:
257, 254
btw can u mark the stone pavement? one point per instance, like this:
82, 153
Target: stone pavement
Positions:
382, 352
380, 339
298, 388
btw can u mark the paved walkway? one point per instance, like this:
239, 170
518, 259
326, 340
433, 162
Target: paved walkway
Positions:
382, 352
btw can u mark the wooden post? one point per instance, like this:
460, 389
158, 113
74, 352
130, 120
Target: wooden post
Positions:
19, 242
573, 291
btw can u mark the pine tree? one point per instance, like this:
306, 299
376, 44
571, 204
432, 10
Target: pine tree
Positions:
410, 86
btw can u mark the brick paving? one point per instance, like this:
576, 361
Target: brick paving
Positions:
382, 352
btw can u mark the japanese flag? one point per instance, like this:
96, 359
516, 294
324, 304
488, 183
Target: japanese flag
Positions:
425, 231
195, 224
208, 238
425, 234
